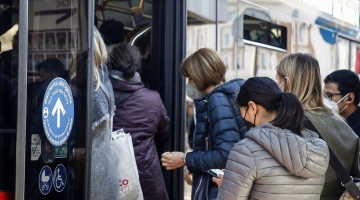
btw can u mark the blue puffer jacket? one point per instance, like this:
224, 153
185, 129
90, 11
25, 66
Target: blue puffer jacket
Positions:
227, 128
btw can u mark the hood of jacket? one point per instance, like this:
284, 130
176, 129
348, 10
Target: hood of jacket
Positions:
121, 85
307, 156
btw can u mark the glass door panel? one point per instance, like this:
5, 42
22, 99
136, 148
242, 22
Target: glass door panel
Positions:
9, 17
56, 99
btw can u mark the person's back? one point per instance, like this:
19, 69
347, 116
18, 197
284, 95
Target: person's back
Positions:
273, 163
143, 115
343, 142
298, 72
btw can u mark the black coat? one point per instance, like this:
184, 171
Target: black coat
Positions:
354, 121
226, 131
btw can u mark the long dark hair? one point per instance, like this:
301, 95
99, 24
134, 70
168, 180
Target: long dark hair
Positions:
265, 92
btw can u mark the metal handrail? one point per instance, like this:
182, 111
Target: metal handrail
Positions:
140, 33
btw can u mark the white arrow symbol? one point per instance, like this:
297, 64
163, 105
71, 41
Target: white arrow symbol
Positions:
57, 109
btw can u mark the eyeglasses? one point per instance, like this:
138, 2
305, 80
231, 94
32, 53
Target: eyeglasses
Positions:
330, 95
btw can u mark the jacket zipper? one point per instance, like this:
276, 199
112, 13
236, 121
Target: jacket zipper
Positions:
198, 188
206, 143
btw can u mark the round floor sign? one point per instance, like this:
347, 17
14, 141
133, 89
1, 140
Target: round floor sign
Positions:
58, 111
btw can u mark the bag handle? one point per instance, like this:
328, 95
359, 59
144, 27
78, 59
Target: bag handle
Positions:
346, 180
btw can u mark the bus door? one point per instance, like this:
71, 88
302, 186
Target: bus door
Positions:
157, 28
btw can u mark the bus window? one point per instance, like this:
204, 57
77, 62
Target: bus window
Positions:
264, 33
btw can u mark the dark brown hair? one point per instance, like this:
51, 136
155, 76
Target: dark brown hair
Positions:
125, 58
204, 67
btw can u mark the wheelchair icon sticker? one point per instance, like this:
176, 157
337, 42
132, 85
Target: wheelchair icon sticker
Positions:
45, 180
59, 178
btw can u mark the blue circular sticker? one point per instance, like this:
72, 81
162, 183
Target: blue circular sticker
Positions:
60, 178
45, 180
58, 111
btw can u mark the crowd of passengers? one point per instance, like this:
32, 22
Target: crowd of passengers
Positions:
272, 139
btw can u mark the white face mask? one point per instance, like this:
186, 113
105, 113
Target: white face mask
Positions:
193, 92
334, 105
341, 101
330, 104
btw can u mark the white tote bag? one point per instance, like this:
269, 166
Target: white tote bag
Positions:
129, 184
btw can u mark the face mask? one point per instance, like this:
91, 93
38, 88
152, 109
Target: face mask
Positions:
248, 124
334, 105
193, 92
341, 101
330, 104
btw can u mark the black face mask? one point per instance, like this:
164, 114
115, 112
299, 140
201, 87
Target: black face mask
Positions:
248, 124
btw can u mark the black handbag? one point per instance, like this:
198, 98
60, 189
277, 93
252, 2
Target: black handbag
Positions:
346, 180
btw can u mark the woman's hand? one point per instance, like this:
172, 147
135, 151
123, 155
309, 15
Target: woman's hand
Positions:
172, 160
187, 175
218, 180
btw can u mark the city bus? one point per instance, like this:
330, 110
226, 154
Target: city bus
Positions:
251, 36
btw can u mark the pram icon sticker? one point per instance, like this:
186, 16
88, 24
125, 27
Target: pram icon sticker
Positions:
59, 178
45, 180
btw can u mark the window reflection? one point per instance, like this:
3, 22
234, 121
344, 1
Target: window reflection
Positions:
8, 94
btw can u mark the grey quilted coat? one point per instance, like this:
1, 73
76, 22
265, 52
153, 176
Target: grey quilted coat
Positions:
273, 163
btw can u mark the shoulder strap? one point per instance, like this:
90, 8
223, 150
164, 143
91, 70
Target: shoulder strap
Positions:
345, 178
123, 97
107, 93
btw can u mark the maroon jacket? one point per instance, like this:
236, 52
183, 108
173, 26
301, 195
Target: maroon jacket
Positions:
143, 115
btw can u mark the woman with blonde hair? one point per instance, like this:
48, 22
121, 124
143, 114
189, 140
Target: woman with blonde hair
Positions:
299, 73
104, 177
218, 122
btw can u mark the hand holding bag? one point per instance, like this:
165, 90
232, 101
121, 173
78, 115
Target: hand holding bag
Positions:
129, 184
